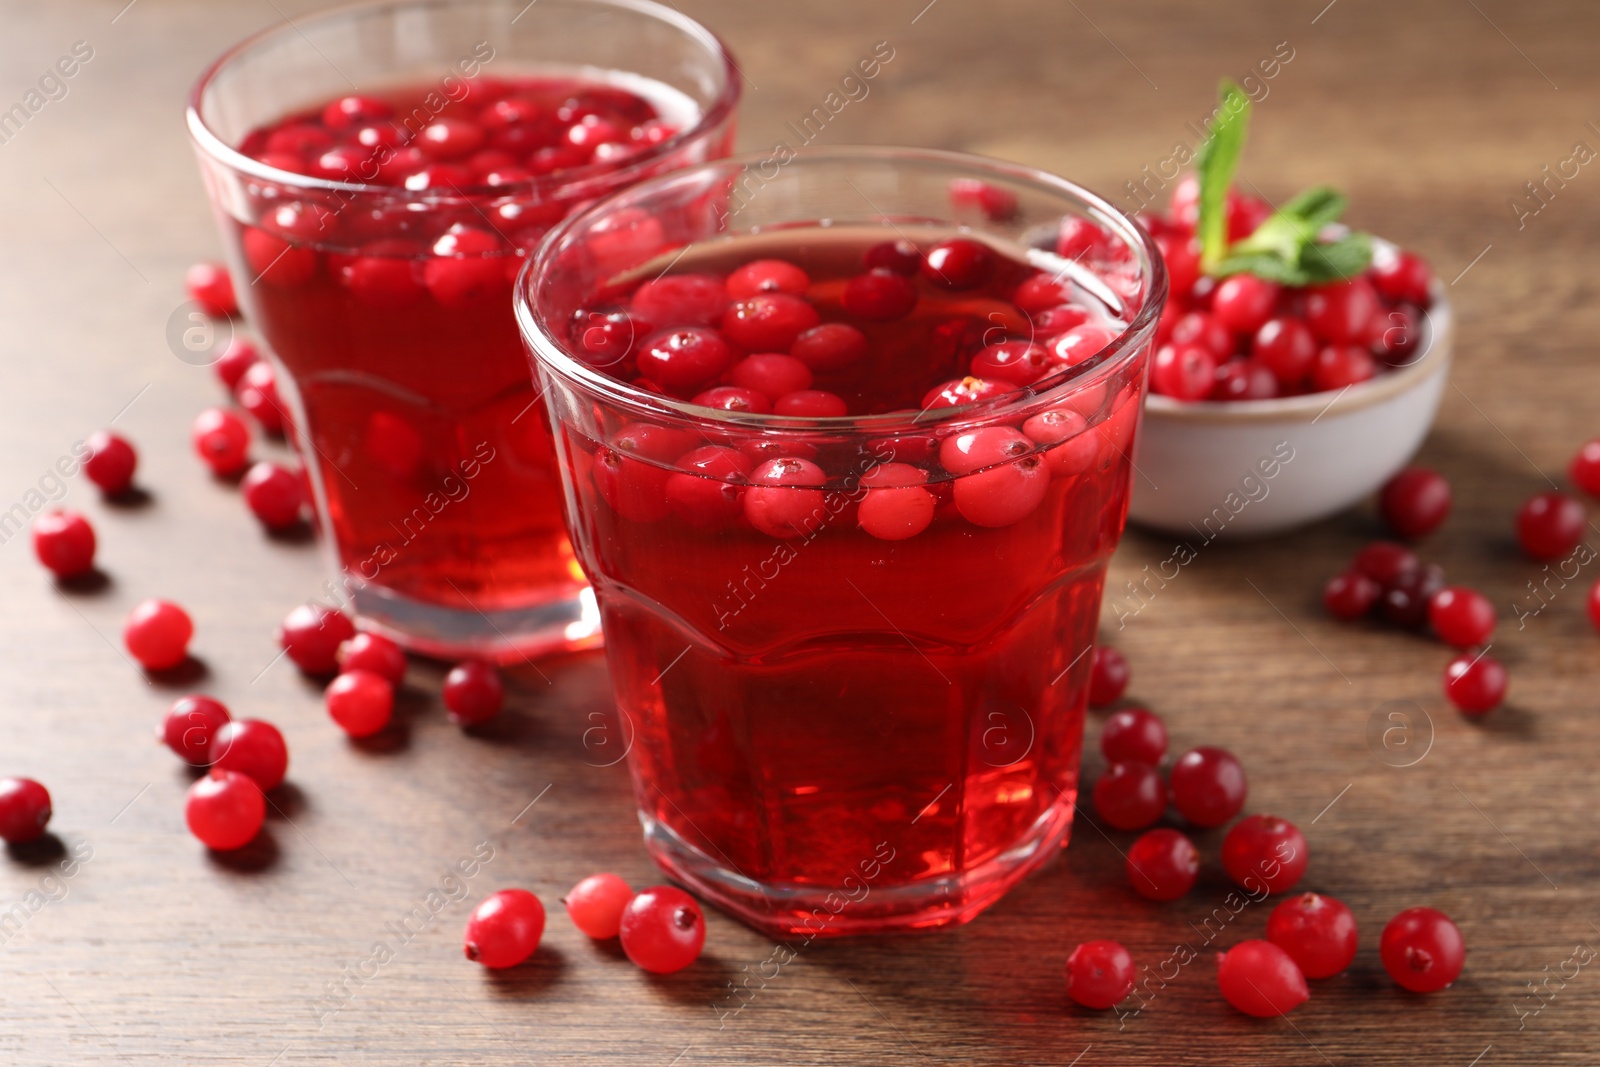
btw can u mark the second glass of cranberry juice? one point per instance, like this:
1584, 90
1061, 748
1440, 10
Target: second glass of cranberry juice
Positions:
380, 172
845, 485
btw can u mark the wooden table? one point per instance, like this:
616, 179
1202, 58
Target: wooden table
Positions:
1432, 116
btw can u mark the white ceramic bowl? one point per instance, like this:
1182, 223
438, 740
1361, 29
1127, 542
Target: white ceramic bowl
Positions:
1251, 468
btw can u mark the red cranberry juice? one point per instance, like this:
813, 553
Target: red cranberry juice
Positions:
392, 314
854, 654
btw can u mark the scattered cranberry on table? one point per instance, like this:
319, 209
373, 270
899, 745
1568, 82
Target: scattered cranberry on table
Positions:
473, 692
1318, 932
273, 494
1585, 468
1100, 974
252, 747
595, 905
360, 702
210, 286
662, 929
1261, 979
1415, 502
24, 810
157, 634
1265, 851
1351, 595
1130, 796
64, 542
504, 930
111, 462
1550, 525
311, 634
222, 440
376, 653
239, 357
191, 724
1422, 950
1108, 676
1163, 865
225, 810
1208, 786
1462, 617
1475, 684
1134, 734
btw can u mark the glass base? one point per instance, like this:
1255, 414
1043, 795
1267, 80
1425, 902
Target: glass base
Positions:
507, 637
787, 909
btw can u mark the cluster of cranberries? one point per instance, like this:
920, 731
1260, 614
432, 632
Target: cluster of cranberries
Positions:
246, 757
63, 540
1308, 936
661, 928
1246, 338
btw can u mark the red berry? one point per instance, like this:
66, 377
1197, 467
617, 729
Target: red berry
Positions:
191, 725
595, 905
1286, 347
1261, 979
1002, 495
1243, 303
662, 929
1100, 974
1351, 595
1338, 366
1415, 502
350, 111
1340, 312
959, 391
1585, 469
1078, 237
450, 138
1461, 617
157, 634
1182, 255
1317, 932
1265, 851
1475, 684
375, 653
684, 359
225, 810
901, 257
360, 702
707, 489
879, 296
253, 748
1243, 379
222, 439
64, 542
997, 204
312, 634
895, 506
231, 365
1403, 278
211, 288
504, 930
111, 462
1385, 562
473, 692
681, 300
733, 398
273, 494
1208, 786
24, 810
1108, 676
1134, 734
1396, 333
1130, 796
1405, 600
1183, 371
1017, 362
767, 276
782, 500
959, 263
1550, 525
1070, 451
258, 394
1422, 950
829, 347
1199, 328
771, 375
1163, 865
1038, 293
986, 447
768, 322
811, 404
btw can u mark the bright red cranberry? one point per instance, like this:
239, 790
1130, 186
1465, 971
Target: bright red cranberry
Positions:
1080, 343
733, 398
1108, 676
1403, 279
450, 138
1243, 303
1243, 379
211, 288
1017, 362
1396, 334
222, 439
1264, 850
1078, 238
1163, 865
1475, 684
997, 204
1183, 371
312, 634
225, 810
374, 653
895, 505
231, 365
682, 300
1261, 979
685, 358
1051, 322
467, 270
1182, 255
1405, 600
1134, 734
1338, 366
879, 296
1462, 617
1208, 786
767, 276
386, 275
1002, 495
1199, 328
960, 391
1317, 932
24, 810
1130, 796
157, 634
360, 702
707, 490
1415, 502
771, 375
1245, 214
1385, 562
1422, 950
832, 346
633, 488
811, 404
782, 500
1351, 595
258, 394
504, 930
1070, 450
976, 449
111, 462
276, 262
191, 725
273, 494
252, 747
473, 692
595, 905
662, 929
768, 322
1340, 312
1550, 525
1038, 293
64, 542
1585, 469
1100, 974
350, 111
1286, 347
959, 263
901, 257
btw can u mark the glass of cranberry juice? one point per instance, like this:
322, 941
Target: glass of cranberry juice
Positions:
379, 174
844, 461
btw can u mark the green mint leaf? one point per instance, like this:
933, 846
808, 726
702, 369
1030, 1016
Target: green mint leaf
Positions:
1217, 161
1268, 265
1287, 231
1338, 260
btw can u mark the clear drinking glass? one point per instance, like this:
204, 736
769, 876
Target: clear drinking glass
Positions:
837, 724
386, 307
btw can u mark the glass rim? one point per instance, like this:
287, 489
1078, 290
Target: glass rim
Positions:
212, 144
550, 354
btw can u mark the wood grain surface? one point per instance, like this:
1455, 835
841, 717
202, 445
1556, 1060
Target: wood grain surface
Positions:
126, 943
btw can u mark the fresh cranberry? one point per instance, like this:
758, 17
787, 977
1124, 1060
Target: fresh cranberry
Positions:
1183, 371
1134, 734
312, 634
1338, 366
1038, 293
374, 653
707, 489
1245, 214
662, 929
1052, 322
782, 500
385, 276
1079, 343
1017, 362
604, 338
959, 263
733, 398
1422, 950
771, 375
682, 300
997, 204
595, 905
1100, 974
1403, 278
986, 447
473, 692
360, 702
275, 261
832, 346
191, 725
1163, 865
685, 358
221, 439
1550, 525
1385, 562
1475, 684
210, 286
767, 276
895, 505
504, 930
355, 111
450, 138
1243, 303
252, 747
1461, 617
1340, 312
960, 391
240, 356
258, 394
467, 269
64, 542
1208, 786
901, 257
879, 295
225, 810
1243, 379
274, 494
1351, 595
768, 322
1130, 796
1070, 450
633, 487
1405, 600
1264, 850
157, 634
1077, 238
1317, 932
1287, 348
1199, 328
111, 462
1396, 334
24, 810
1415, 502
1261, 979
1108, 676
1181, 252
1585, 469
1002, 495
811, 404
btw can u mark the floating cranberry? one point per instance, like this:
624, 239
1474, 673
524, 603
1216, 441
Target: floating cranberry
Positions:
473, 692
682, 300
1261, 979
191, 725
1070, 451
450, 138
1403, 278
733, 398
986, 447
258, 394
832, 346
387, 276
1163, 865
960, 391
768, 322
811, 404
225, 810
1130, 796
1338, 366
771, 375
1585, 469
1476, 684
275, 261
895, 505
707, 490
111, 462
360, 702
1108, 676
685, 358
595, 905
662, 929
1183, 371
467, 269
1317, 932
1385, 562
1422, 950
879, 295
240, 356
1405, 600
1002, 495
1017, 362
1100, 974
64, 542
210, 286
24, 810
782, 500
959, 263
1287, 348
1265, 851
1243, 303
1208, 786
222, 440
273, 494
1077, 238
312, 634
767, 276
1415, 502
1052, 322
1134, 734
505, 929
1340, 312
252, 747
1038, 293
350, 111
1550, 525
1351, 595
1243, 379
997, 204
374, 653
1461, 617
157, 634
901, 257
